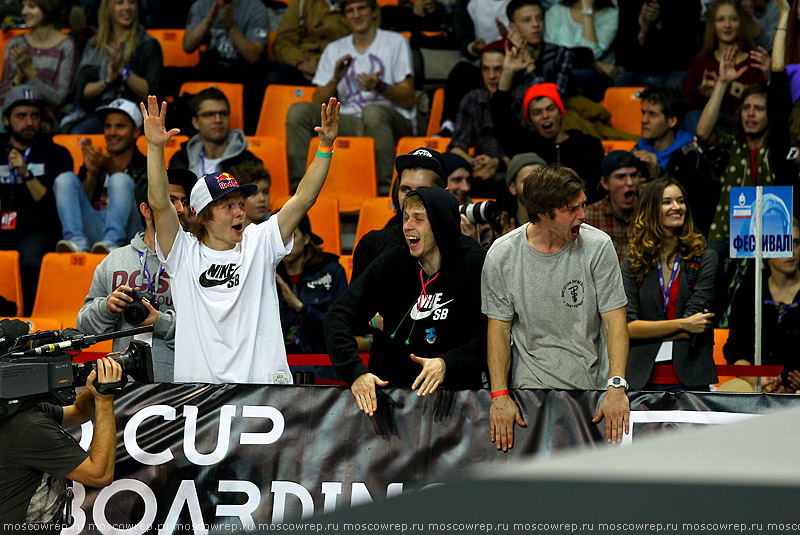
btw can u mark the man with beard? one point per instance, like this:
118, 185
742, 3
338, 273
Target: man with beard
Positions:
136, 266
28, 170
622, 174
97, 205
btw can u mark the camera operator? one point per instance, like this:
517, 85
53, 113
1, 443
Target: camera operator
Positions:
111, 303
37, 455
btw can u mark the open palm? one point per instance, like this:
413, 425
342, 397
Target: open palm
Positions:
154, 121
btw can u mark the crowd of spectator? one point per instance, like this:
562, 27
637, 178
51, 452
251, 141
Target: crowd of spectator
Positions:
721, 80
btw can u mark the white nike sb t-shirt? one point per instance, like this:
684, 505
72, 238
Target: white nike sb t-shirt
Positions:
228, 326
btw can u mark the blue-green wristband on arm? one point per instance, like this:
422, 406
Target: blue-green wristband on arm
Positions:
324, 154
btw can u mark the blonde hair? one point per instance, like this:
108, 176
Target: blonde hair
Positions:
647, 235
105, 31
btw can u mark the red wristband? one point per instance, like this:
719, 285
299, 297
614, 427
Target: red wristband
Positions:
498, 393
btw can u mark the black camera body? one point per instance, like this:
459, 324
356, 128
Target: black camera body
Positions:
135, 313
47, 373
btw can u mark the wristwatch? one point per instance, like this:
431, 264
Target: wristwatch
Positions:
617, 382
588, 11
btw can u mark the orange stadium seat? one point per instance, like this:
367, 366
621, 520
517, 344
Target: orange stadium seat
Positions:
171, 41
272, 151
324, 217
10, 280
234, 93
611, 146
277, 101
437, 108
172, 146
70, 142
720, 337
351, 177
625, 108
346, 261
374, 215
407, 144
64, 281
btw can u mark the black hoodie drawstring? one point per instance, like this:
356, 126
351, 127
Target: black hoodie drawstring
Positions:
418, 302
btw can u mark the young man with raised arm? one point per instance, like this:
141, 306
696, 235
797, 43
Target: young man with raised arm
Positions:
228, 326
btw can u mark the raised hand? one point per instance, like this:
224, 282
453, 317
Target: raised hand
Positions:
648, 14
783, 6
516, 58
155, 119
761, 60
727, 66
329, 128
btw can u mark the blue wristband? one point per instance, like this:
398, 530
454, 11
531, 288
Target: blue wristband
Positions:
125, 73
383, 88
324, 154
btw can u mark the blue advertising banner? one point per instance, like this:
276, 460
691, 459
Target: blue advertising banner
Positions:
776, 217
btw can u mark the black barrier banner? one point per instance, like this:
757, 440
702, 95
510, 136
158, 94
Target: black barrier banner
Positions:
232, 458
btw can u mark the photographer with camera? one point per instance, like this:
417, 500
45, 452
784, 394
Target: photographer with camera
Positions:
37, 455
131, 288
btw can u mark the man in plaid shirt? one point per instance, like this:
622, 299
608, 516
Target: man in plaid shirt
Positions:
622, 174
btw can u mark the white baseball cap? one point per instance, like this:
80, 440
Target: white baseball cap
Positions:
122, 105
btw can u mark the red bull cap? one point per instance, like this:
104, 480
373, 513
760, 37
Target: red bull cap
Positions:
213, 186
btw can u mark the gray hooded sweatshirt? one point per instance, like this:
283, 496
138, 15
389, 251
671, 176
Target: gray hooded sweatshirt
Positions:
236, 151
124, 265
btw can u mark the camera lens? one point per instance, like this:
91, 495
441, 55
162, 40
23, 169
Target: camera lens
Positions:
135, 313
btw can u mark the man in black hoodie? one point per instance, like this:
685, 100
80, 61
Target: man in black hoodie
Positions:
427, 292
419, 168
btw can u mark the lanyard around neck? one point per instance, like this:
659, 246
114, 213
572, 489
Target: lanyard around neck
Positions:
666, 291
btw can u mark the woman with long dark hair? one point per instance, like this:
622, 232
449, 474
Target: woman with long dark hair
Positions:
120, 61
669, 281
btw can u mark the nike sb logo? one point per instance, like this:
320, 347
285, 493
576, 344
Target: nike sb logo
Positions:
427, 305
217, 275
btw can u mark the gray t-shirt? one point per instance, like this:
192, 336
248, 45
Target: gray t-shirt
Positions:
554, 302
250, 16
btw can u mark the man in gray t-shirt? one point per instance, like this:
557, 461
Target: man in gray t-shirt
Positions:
555, 285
